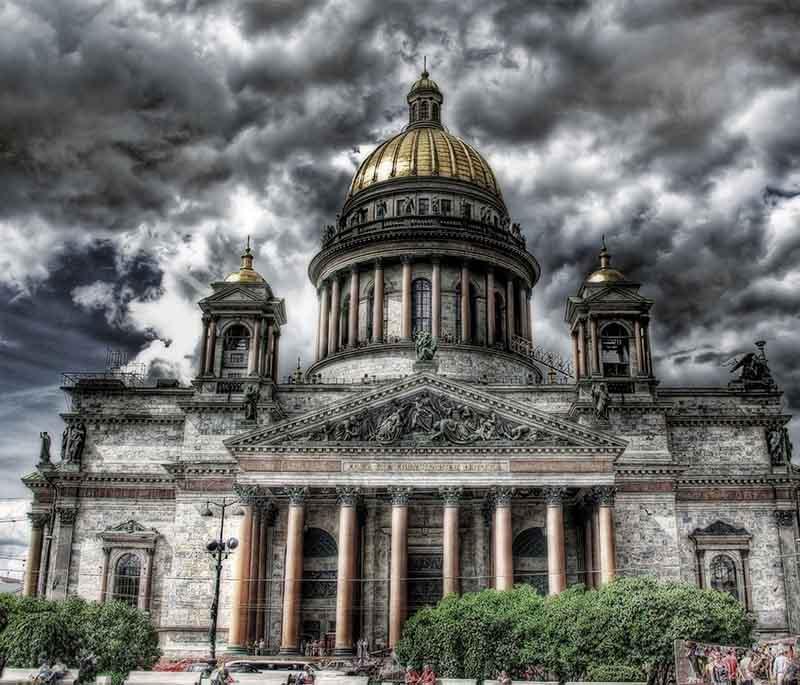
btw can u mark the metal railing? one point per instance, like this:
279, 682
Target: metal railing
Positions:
552, 360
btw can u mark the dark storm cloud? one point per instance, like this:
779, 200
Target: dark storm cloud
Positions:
140, 143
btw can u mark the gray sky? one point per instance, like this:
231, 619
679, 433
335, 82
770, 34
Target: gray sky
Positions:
142, 140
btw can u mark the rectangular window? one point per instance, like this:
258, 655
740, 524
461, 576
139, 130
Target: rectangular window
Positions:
423, 205
467, 210
447, 207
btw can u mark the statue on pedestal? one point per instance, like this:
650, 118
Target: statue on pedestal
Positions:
44, 451
426, 346
600, 399
251, 397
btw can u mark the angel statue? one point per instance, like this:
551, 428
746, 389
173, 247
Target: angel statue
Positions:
426, 346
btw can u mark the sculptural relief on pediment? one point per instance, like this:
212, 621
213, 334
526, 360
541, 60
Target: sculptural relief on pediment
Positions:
425, 418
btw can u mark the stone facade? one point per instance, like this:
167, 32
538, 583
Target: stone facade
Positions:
513, 465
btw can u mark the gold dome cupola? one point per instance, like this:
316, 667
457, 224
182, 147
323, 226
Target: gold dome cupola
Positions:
425, 101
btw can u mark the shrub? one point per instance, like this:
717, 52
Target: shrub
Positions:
623, 631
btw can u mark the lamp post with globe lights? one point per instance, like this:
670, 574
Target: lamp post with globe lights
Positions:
220, 549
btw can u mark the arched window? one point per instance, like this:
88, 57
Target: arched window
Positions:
127, 577
473, 313
344, 321
370, 311
420, 305
615, 350
381, 211
423, 110
723, 575
499, 317
235, 348
435, 112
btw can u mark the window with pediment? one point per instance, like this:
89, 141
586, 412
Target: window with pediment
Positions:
128, 551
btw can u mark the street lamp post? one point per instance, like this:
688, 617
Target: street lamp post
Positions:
220, 549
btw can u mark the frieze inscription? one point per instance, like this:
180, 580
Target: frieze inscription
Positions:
422, 467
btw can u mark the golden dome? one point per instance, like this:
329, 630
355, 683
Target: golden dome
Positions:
425, 151
605, 274
246, 273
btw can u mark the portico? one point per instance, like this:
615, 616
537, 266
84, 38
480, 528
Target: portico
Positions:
410, 504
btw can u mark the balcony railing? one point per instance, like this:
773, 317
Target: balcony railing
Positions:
538, 354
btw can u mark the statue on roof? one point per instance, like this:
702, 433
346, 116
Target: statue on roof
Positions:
426, 346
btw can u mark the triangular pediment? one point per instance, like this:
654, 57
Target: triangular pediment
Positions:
235, 293
615, 294
428, 411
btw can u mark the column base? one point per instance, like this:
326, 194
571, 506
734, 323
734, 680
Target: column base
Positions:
343, 651
236, 649
289, 651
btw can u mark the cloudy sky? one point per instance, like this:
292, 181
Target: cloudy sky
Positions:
142, 140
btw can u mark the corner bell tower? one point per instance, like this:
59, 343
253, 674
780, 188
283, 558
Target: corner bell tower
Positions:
609, 324
242, 322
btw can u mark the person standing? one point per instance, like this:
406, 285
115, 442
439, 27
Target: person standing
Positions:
746, 668
779, 667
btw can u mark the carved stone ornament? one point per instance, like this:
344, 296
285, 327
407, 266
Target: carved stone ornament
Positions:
426, 346
451, 495
554, 495
74, 442
296, 494
604, 495
347, 496
779, 445
129, 526
502, 496
426, 418
399, 496
66, 516
600, 401
252, 495
38, 520
251, 397
784, 518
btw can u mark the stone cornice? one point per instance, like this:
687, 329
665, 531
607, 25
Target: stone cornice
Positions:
732, 480
122, 417
728, 419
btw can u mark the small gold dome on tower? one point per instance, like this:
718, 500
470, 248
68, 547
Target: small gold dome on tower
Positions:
246, 273
605, 274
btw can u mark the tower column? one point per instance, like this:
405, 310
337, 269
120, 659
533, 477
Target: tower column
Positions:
377, 304
405, 322
503, 551
581, 368
556, 557
465, 322
595, 357
398, 563
34, 561
509, 310
290, 625
436, 303
266, 359
212, 345
346, 572
605, 519
276, 340
203, 346
575, 355
317, 341
491, 333
252, 355
637, 347
451, 570
333, 326
252, 581
352, 323
324, 320
528, 317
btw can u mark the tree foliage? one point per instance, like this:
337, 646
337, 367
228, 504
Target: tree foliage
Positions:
120, 637
623, 631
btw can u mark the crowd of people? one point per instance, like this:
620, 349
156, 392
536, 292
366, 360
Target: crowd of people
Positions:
776, 664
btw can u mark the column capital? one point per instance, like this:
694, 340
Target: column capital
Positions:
604, 495
67, 515
784, 517
555, 495
38, 519
354, 268
451, 495
400, 495
378, 262
435, 259
251, 495
501, 496
406, 259
296, 494
347, 496
206, 318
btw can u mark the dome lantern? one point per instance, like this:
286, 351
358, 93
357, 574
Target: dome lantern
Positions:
246, 272
425, 101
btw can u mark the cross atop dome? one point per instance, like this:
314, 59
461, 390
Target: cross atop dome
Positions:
425, 101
